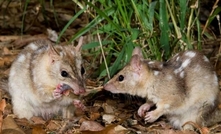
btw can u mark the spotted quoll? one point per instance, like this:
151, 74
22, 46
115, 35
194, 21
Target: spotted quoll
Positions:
40, 77
185, 88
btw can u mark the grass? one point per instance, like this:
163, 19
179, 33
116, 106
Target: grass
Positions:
161, 28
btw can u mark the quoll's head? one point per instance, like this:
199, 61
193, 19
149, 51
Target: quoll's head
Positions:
131, 78
67, 67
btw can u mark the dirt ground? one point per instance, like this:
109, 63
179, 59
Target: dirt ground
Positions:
106, 113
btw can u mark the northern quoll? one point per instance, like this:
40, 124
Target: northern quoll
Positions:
185, 88
40, 77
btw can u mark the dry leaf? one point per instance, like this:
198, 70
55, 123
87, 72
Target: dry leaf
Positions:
171, 131
2, 107
111, 129
11, 131
109, 118
108, 108
9, 124
94, 116
6, 51
91, 126
22, 122
53, 125
38, 129
2, 63
38, 120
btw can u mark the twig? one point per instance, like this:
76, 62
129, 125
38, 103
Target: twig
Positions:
102, 51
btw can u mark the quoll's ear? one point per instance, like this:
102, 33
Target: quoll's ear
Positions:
137, 51
80, 43
53, 54
135, 63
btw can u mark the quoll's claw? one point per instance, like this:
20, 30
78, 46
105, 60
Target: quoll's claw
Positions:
58, 91
150, 116
79, 104
81, 91
143, 109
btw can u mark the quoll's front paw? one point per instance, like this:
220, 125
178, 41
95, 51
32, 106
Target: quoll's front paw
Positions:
151, 116
79, 104
143, 109
58, 91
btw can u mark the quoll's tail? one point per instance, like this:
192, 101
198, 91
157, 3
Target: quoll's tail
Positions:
215, 116
4, 85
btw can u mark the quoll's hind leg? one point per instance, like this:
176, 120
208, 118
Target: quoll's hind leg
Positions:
191, 118
22, 108
68, 112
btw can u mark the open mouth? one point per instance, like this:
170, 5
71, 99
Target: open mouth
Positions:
66, 90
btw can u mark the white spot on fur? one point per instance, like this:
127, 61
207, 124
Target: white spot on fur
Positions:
182, 74
40, 51
177, 58
215, 79
176, 55
166, 106
21, 58
205, 59
169, 77
151, 62
178, 70
73, 52
186, 63
156, 73
190, 54
33, 46
61, 54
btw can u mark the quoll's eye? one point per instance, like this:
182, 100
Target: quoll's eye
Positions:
82, 70
64, 74
121, 78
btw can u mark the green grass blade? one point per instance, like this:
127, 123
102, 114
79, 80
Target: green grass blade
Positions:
164, 27
69, 23
183, 10
95, 44
23, 16
92, 24
55, 15
101, 13
151, 14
